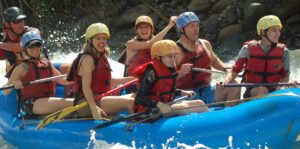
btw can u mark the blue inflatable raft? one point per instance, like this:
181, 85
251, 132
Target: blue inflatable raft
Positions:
273, 122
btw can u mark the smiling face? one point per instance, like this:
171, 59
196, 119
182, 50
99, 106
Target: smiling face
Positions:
100, 42
34, 49
144, 31
169, 59
192, 31
273, 33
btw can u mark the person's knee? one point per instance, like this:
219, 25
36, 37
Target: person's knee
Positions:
235, 91
259, 91
198, 102
198, 106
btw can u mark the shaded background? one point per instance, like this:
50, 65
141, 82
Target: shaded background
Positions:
226, 23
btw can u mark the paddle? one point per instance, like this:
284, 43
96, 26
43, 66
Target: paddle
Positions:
66, 111
238, 101
210, 71
260, 84
35, 82
129, 117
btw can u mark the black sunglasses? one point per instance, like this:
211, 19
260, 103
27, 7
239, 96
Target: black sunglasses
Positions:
36, 45
18, 21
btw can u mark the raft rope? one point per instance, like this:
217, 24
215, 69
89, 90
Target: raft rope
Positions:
239, 101
142, 120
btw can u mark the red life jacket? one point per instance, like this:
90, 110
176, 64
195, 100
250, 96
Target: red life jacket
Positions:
264, 67
100, 77
164, 88
195, 79
142, 57
36, 70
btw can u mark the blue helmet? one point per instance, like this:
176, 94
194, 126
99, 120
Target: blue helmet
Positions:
31, 36
186, 18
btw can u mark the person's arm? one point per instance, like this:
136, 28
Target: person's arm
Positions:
230, 77
184, 70
146, 83
62, 81
239, 64
286, 66
11, 46
86, 74
138, 45
15, 78
216, 62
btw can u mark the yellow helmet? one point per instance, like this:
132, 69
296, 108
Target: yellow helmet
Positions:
163, 47
144, 19
95, 29
267, 22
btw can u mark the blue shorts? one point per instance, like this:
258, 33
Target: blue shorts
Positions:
206, 94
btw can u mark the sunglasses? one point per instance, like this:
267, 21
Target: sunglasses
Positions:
18, 21
36, 45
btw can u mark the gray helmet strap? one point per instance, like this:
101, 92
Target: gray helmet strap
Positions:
11, 29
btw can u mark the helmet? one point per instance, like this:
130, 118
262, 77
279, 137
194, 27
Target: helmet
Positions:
267, 22
13, 14
186, 18
144, 19
95, 29
31, 36
163, 47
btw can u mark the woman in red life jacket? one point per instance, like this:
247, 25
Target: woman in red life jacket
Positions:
157, 80
264, 61
91, 73
38, 98
138, 48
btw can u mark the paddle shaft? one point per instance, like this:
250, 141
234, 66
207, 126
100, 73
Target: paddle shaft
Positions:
210, 71
129, 117
260, 84
98, 97
35, 81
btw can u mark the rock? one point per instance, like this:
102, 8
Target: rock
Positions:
239, 12
286, 8
297, 41
222, 4
295, 29
230, 30
231, 45
175, 2
231, 15
199, 5
212, 23
293, 19
252, 13
128, 18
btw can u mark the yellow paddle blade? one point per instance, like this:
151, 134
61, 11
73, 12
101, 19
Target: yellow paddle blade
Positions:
59, 115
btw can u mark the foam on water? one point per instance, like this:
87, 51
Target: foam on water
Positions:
99, 144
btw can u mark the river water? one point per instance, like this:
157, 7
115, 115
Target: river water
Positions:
118, 72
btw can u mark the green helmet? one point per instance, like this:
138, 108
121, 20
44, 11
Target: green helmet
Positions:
13, 14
